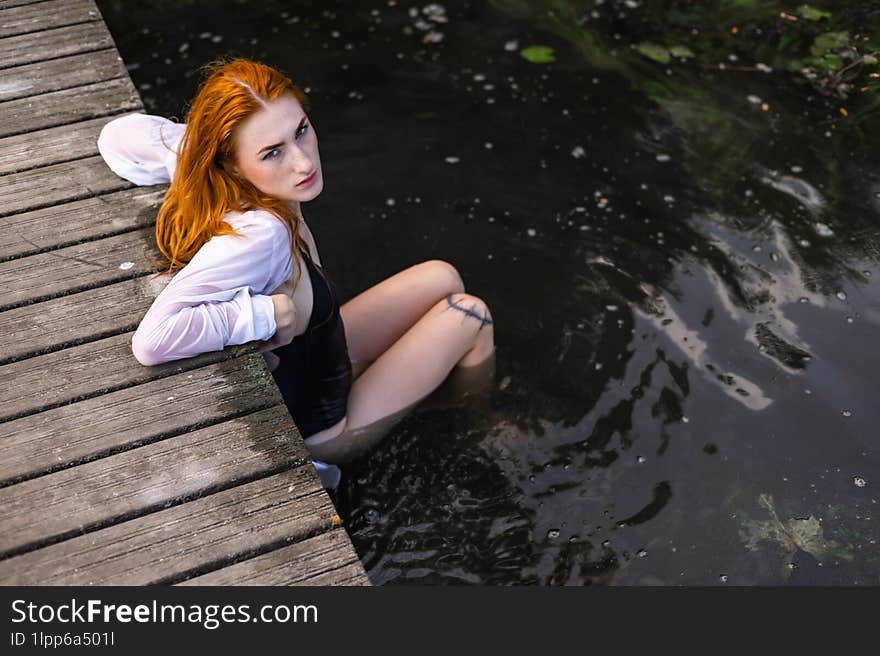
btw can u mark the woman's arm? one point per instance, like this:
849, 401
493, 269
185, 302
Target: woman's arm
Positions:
141, 148
221, 297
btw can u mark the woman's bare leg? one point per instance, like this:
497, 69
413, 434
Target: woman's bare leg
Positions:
457, 330
377, 318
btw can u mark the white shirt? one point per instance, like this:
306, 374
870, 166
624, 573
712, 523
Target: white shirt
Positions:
221, 296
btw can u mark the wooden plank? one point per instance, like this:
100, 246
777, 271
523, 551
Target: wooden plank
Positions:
136, 482
60, 42
75, 268
326, 559
191, 537
6, 4
68, 106
91, 218
81, 372
44, 327
53, 146
57, 74
84, 431
44, 15
58, 183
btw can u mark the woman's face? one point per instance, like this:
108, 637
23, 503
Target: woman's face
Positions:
277, 151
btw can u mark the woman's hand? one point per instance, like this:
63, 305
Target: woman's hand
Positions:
285, 318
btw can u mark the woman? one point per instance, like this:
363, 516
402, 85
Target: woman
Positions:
247, 267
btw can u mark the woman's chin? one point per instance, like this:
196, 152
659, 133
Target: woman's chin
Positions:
313, 192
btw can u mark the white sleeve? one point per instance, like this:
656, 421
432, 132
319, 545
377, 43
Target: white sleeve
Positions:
141, 148
220, 297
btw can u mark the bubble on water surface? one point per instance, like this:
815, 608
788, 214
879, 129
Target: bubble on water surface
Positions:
858, 481
823, 230
841, 295
553, 533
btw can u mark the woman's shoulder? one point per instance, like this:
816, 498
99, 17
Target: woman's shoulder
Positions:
259, 244
258, 223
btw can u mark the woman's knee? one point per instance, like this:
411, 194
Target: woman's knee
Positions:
468, 306
447, 275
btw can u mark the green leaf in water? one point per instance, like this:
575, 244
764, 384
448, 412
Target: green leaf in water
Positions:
538, 54
811, 13
869, 59
682, 52
805, 534
829, 41
826, 62
785, 41
653, 51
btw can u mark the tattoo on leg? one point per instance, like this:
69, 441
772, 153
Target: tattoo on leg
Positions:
469, 312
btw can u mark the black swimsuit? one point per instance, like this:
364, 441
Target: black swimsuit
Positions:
314, 375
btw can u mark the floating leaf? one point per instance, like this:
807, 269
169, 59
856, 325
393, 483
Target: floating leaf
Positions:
869, 59
653, 51
805, 534
827, 62
538, 54
829, 41
682, 52
811, 13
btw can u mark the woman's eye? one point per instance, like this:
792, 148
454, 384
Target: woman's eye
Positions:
272, 154
302, 130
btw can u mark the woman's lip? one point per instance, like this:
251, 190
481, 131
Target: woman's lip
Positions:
309, 180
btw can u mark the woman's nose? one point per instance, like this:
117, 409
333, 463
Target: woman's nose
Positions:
302, 163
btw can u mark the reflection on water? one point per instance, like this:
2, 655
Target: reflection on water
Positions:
681, 259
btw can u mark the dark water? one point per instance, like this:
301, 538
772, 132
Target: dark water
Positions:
684, 287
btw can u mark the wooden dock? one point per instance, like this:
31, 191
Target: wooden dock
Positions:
111, 473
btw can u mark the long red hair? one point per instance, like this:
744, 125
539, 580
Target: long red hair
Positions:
203, 189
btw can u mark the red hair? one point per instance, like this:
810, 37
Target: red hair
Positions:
204, 189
